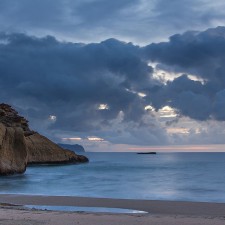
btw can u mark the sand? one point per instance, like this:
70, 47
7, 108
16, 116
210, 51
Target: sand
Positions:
160, 212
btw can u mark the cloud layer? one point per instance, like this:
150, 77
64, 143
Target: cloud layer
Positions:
200, 54
139, 21
102, 89
43, 77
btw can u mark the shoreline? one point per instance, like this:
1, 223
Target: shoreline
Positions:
13, 212
150, 206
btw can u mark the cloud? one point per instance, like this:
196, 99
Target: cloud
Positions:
42, 77
197, 53
139, 21
101, 11
77, 20
219, 105
191, 13
198, 132
94, 89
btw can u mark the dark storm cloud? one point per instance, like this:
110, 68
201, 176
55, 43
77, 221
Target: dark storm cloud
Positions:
219, 105
43, 76
200, 54
183, 94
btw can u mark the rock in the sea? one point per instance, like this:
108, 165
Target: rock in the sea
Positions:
20, 146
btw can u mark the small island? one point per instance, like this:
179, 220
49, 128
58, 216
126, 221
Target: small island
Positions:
146, 153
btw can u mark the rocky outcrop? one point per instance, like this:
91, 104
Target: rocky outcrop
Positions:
10, 118
42, 150
20, 146
13, 150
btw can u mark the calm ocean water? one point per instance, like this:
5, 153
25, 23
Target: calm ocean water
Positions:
165, 176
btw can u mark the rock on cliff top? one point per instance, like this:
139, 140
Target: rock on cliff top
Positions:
10, 118
20, 146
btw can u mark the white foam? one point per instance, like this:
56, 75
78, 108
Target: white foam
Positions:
83, 209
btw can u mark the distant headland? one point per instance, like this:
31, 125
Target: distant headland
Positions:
76, 148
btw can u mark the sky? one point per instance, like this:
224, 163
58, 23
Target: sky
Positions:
117, 75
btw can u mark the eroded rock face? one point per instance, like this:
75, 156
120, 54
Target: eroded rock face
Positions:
20, 146
13, 150
10, 118
42, 150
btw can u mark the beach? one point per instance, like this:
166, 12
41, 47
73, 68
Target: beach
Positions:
12, 211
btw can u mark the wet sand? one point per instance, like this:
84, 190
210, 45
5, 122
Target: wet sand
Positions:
159, 212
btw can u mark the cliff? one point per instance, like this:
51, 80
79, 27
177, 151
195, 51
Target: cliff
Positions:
42, 150
20, 146
13, 152
76, 148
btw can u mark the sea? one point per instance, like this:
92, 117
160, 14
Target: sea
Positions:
198, 177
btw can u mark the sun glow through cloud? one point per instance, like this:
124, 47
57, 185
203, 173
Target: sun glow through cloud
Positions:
72, 139
103, 107
149, 107
165, 75
142, 95
89, 138
167, 111
53, 118
177, 130
95, 139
